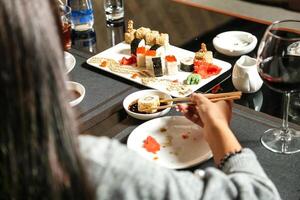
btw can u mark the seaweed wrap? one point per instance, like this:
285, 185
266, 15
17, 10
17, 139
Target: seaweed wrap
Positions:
160, 50
157, 66
135, 44
187, 64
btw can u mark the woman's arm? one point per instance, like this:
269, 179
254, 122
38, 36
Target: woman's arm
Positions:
119, 173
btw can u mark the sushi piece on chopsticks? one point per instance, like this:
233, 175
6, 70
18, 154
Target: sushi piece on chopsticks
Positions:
140, 56
135, 44
158, 66
148, 103
171, 65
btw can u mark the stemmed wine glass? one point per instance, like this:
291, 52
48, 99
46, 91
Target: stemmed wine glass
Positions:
278, 62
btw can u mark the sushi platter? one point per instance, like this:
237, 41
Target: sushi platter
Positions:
147, 58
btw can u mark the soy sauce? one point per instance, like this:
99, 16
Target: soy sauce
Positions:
73, 94
133, 107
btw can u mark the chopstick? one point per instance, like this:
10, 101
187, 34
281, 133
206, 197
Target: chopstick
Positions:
209, 96
217, 97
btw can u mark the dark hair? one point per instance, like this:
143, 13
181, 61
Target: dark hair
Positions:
38, 153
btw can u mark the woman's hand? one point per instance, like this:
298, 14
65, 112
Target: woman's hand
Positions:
205, 113
214, 118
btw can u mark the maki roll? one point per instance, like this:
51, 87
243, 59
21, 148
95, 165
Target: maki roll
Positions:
135, 44
171, 64
160, 50
148, 103
157, 66
150, 37
187, 64
141, 32
162, 39
148, 59
140, 56
130, 34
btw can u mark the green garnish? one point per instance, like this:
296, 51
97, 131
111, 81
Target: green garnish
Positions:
193, 79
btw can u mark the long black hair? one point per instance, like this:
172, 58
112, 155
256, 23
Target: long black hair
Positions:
38, 152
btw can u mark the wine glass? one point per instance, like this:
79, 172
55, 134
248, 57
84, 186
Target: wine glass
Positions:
278, 62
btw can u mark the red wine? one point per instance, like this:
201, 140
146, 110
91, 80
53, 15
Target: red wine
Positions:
281, 73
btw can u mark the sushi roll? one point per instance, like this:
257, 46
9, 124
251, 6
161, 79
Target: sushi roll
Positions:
140, 55
171, 65
150, 37
130, 34
160, 50
148, 59
148, 103
157, 66
141, 32
163, 39
187, 64
204, 55
135, 44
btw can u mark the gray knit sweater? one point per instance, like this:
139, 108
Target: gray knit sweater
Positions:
120, 174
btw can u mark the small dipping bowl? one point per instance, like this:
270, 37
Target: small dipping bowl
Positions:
136, 95
77, 92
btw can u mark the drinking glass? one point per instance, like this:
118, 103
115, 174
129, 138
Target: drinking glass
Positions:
65, 17
114, 10
279, 66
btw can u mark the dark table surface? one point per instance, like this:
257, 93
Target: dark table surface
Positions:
105, 35
101, 113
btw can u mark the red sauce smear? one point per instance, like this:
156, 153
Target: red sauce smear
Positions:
151, 145
206, 69
185, 136
128, 61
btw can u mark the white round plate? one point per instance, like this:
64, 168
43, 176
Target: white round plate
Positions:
181, 145
234, 43
71, 85
70, 61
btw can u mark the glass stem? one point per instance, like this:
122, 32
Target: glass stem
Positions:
286, 107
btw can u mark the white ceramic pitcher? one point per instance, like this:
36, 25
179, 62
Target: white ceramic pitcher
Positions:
245, 76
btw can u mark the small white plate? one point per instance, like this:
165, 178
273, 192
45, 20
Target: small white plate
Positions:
71, 85
70, 61
187, 147
136, 95
294, 49
234, 43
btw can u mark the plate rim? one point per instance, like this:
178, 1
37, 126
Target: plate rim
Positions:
73, 63
198, 161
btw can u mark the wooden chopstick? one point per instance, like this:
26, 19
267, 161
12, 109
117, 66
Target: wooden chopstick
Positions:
211, 99
209, 96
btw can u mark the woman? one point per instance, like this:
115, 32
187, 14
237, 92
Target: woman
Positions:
39, 156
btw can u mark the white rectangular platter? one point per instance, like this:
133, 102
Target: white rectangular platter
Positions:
173, 85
